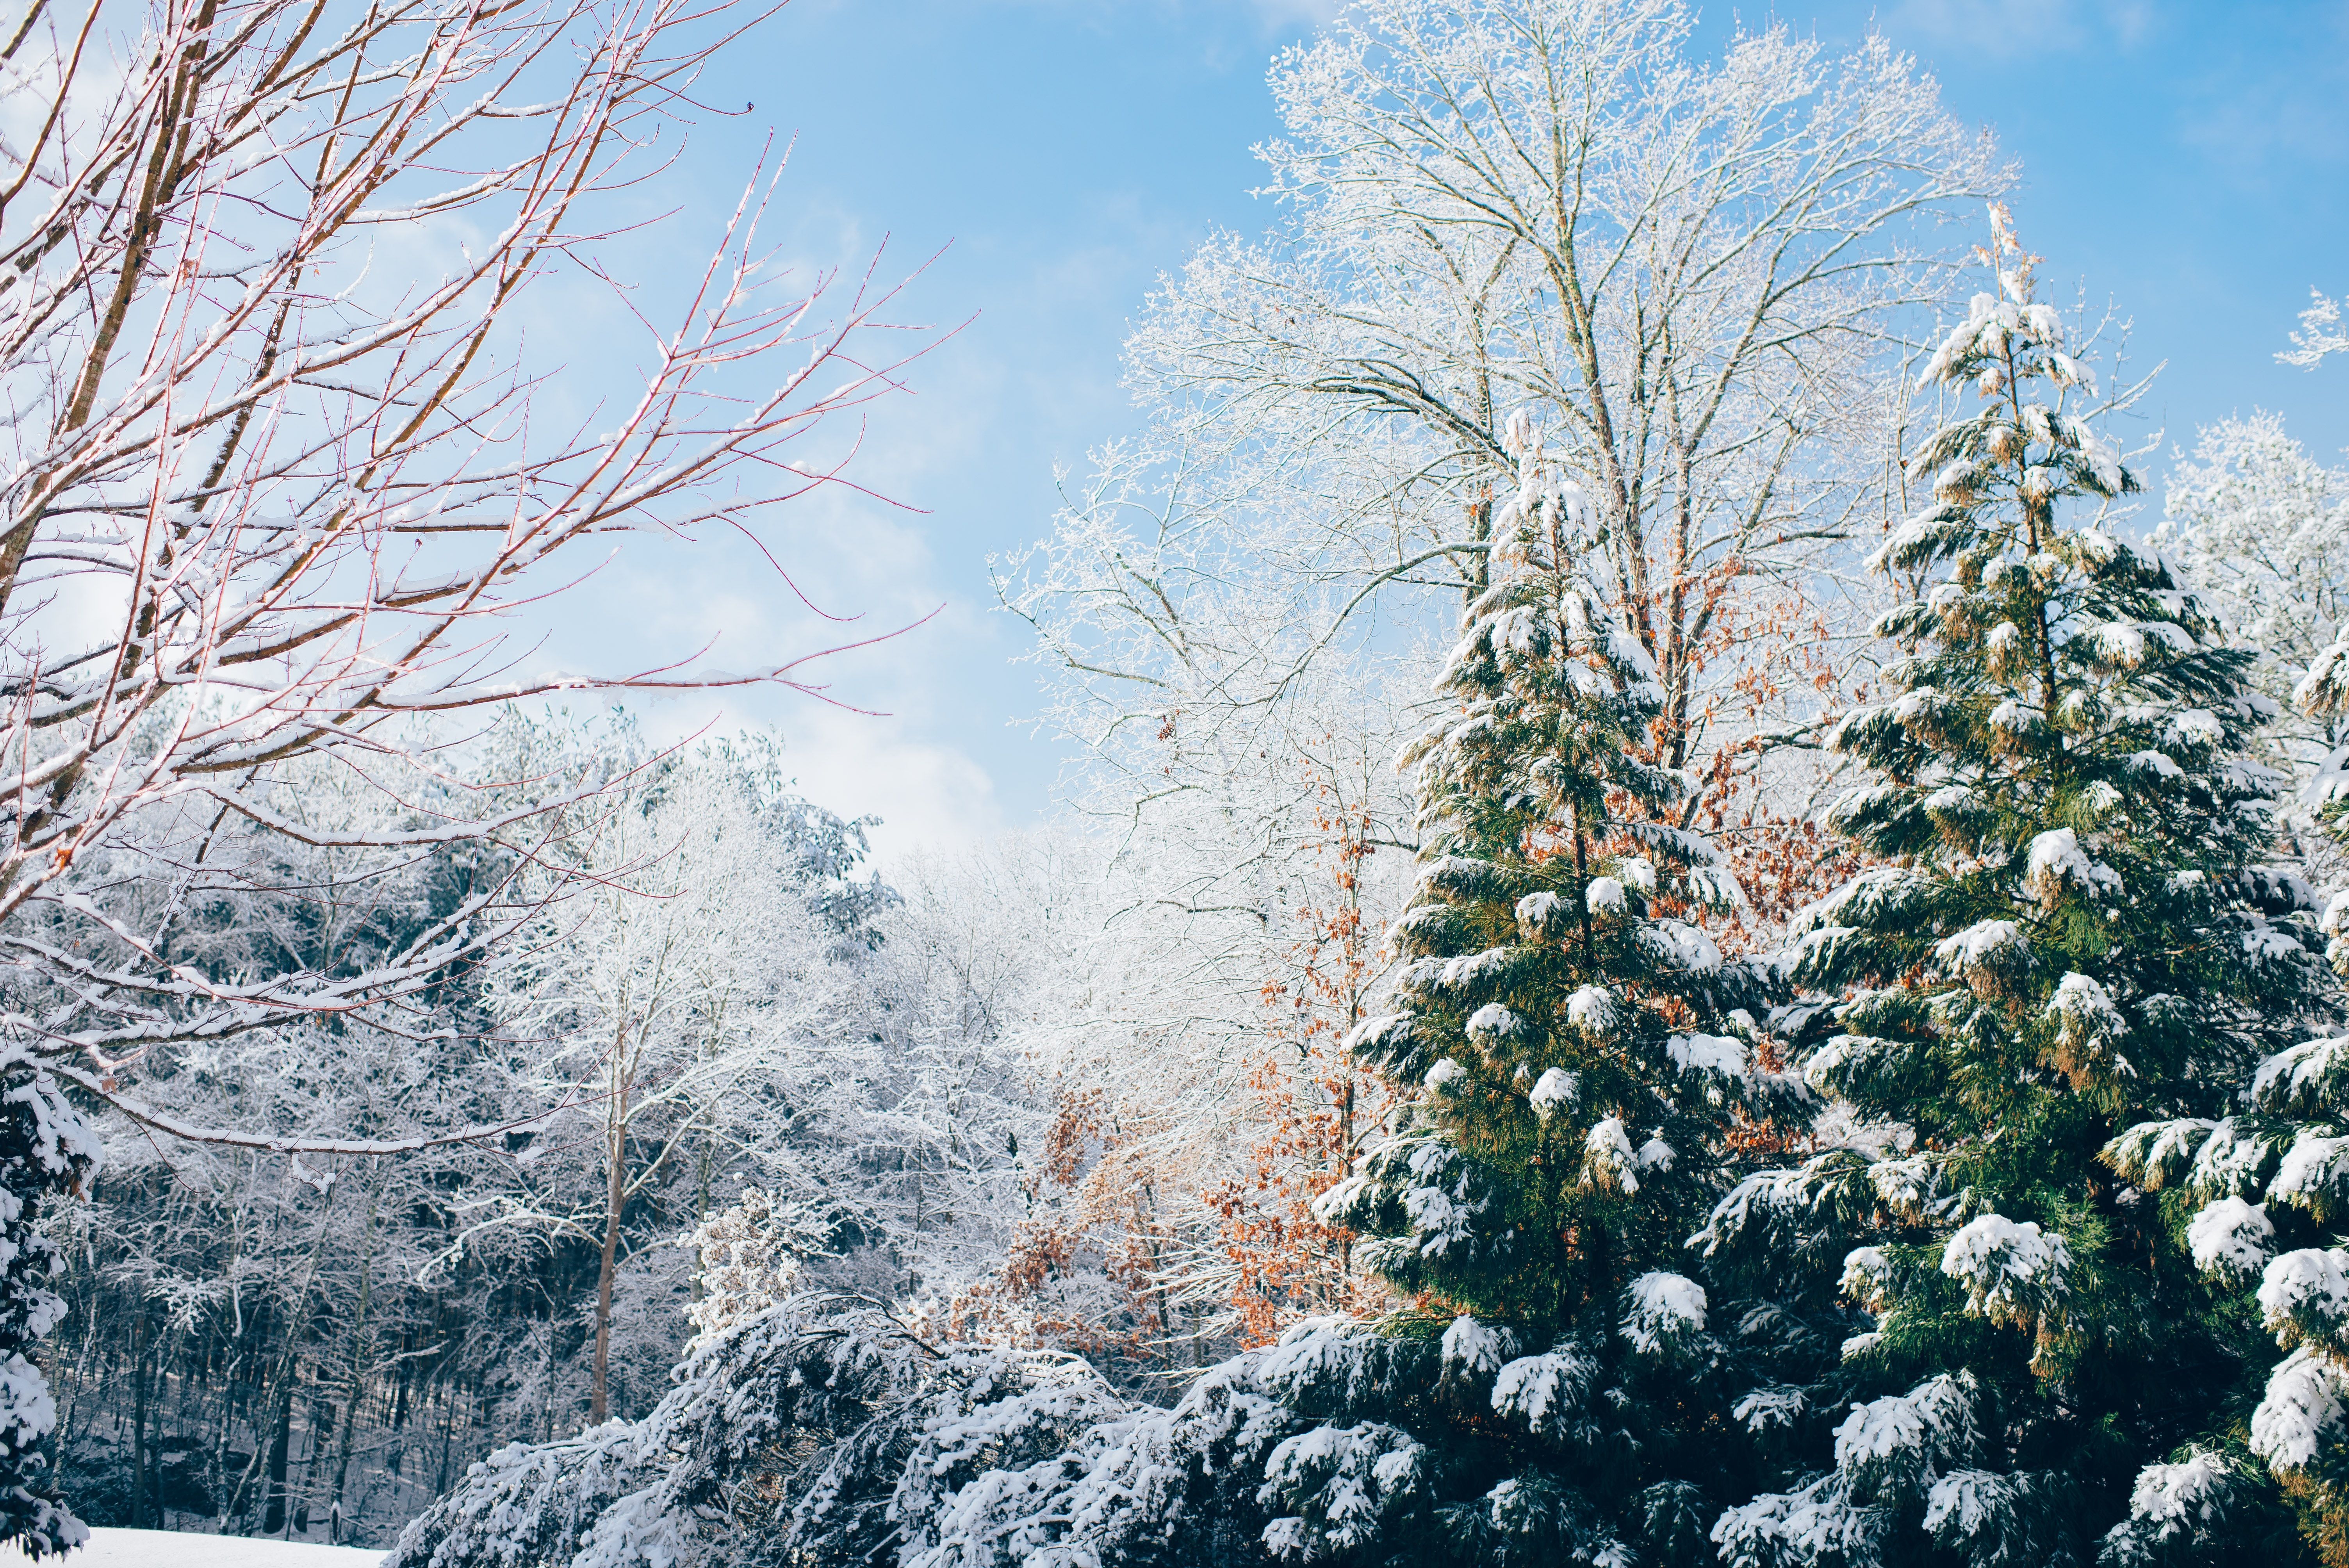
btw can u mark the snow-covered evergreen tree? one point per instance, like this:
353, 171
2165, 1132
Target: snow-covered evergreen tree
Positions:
2068, 926
2257, 1191
45, 1150
1575, 1055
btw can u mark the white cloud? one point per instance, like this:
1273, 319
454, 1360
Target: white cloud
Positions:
928, 795
1296, 12
2020, 29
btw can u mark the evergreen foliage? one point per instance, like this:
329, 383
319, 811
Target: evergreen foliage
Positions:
45, 1152
2067, 924
2256, 1197
1577, 1057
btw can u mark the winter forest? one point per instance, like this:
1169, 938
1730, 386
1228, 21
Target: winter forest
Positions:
1694, 921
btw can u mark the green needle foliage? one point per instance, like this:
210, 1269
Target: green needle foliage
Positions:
2069, 925
2257, 1196
1575, 1060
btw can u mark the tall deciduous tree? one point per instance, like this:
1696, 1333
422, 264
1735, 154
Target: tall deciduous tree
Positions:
664, 1008
1690, 271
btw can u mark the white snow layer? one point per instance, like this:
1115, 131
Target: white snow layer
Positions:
1934, 1416
1666, 1309
2056, 858
2083, 1012
1682, 946
2306, 1078
2311, 1170
177, 1549
2230, 1236
1492, 1023
1472, 1348
2304, 1402
2195, 1491
1537, 913
2308, 1288
2010, 1271
1716, 1054
1971, 947
1543, 1389
1763, 1408
1555, 1092
1607, 1154
1591, 1008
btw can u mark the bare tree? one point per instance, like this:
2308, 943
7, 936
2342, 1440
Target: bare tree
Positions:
1690, 274
277, 461
263, 502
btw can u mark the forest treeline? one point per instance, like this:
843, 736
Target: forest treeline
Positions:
290, 1345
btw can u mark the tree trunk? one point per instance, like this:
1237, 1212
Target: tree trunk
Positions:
614, 1197
273, 1514
139, 1420
360, 1345
162, 1389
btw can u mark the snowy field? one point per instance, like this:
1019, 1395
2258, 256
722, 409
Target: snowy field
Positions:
175, 1549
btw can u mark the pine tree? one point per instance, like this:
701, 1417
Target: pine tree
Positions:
45, 1152
2256, 1195
1575, 1055
2068, 926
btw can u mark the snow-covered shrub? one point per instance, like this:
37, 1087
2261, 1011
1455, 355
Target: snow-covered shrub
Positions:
794, 1424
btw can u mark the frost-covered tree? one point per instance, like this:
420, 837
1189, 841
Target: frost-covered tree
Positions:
1184, 992
2073, 925
1690, 266
2261, 529
665, 1007
258, 1339
2320, 332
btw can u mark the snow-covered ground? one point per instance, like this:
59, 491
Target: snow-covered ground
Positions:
173, 1549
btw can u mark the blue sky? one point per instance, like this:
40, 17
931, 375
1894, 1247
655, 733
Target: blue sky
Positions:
2191, 161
